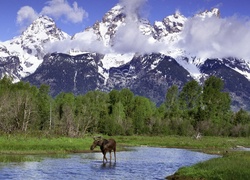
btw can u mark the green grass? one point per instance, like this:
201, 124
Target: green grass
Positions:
19, 148
32, 145
214, 145
18, 158
234, 165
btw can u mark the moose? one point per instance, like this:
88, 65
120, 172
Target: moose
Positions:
105, 146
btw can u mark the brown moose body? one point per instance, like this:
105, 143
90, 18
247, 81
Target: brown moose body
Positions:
105, 146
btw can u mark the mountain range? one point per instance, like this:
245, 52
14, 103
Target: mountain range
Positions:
120, 51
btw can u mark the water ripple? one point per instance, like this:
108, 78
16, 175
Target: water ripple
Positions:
139, 163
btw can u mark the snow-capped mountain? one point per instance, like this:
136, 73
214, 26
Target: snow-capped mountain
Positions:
214, 12
29, 46
97, 58
106, 30
169, 27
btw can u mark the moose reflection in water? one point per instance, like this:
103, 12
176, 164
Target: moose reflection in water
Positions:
105, 146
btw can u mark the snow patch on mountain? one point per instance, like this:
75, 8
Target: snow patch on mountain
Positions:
29, 46
113, 60
4, 52
116, 60
190, 66
240, 66
245, 73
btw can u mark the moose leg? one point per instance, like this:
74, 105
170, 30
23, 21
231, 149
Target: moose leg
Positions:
115, 155
110, 153
104, 157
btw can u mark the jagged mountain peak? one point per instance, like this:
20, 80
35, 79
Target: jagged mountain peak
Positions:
43, 19
169, 27
114, 14
175, 22
105, 31
29, 46
45, 27
39, 32
41, 24
121, 12
209, 13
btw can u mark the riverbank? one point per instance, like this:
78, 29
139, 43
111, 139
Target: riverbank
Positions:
231, 163
207, 144
20, 144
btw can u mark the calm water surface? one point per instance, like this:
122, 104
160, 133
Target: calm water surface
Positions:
139, 163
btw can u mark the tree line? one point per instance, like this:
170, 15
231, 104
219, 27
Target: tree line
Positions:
194, 108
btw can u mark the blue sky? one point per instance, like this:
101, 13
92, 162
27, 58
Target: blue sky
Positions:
75, 15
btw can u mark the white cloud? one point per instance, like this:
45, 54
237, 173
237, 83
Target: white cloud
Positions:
133, 8
61, 8
84, 41
26, 15
217, 37
130, 39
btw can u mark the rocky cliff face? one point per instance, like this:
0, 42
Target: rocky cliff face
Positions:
65, 73
148, 75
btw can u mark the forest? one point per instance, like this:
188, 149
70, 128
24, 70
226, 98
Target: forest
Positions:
193, 109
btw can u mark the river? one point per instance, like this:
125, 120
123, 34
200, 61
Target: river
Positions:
136, 163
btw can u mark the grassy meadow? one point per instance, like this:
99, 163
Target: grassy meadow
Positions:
28, 145
21, 145
232, 165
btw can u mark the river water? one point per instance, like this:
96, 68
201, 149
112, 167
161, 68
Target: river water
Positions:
137, 163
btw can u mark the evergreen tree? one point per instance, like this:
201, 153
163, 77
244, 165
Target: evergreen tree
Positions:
190, 96
97, 103
64, 119
114, 96
214, 114
190, 102
142, 115
126, 98
26, 108
119, 117
172, 102
241, 117
44, 102
216, 103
